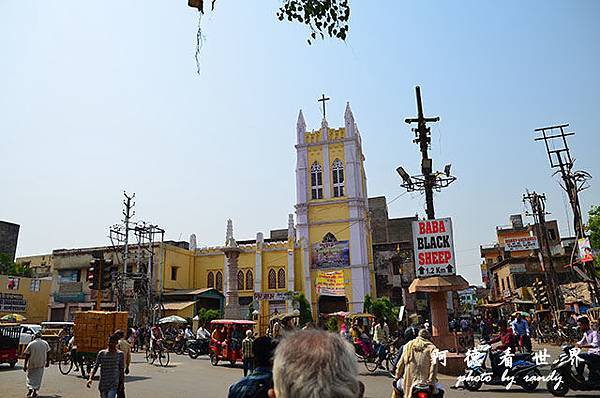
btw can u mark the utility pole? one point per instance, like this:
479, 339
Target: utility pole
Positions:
427, 181
127, 214
538, 211
135, 288
423, 138
559, 154
573, 182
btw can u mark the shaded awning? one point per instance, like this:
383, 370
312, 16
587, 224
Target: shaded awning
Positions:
436, 284
186, 292
519, 301
178, 305
491, 305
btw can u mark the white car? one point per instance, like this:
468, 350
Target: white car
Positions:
27, 332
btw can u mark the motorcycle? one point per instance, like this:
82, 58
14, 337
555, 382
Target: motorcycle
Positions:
419, 390
523, 372
566, 378
196, 347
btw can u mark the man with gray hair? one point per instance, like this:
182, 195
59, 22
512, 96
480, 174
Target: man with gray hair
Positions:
315, 363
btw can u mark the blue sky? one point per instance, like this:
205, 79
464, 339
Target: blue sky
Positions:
97, 98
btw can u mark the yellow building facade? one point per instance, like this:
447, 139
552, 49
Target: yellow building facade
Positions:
330, 235
25, 296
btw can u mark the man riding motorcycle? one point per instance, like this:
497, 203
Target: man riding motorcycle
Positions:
591, 341
507, 340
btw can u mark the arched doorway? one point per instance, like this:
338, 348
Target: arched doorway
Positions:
331, 304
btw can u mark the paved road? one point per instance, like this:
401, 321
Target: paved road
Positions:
197, 378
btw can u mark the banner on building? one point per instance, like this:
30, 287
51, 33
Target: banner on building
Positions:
330, 283
434, 247
274, 296
585, 250
331, 254
520, 244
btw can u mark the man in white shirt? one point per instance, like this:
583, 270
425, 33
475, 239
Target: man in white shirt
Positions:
202, 333
188, 335
36, 358
591, 341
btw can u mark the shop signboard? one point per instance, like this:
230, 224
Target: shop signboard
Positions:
434, 247
520, 244
270, 296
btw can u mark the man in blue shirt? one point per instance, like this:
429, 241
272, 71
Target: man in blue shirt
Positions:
257, 383
521, 331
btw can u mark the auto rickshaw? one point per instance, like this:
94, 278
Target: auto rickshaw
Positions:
9, 343
365, 321
287, 322
226, 345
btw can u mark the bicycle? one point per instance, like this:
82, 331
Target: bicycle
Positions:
161, 353
66, 362
372, 362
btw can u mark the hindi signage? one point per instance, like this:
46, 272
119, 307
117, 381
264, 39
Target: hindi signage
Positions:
520, 244
267, 296
434, 247
330, 283
10, 302
331, 254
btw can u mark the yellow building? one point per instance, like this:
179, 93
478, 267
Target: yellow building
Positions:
331, 234
25, 296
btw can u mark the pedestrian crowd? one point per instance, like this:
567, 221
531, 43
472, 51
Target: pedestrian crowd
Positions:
309, 362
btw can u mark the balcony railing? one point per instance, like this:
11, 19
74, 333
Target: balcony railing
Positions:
69, 297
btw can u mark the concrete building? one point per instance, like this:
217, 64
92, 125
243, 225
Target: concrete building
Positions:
9, 235
26, 296
512, 264
393, 255
70, 291
40, 265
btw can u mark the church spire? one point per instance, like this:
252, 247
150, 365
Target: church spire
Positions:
349, 120
300, 128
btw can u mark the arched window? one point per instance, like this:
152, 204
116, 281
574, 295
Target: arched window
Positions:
210, 280
272, 279
249, 280
329, 237
240, 280
338, 178
219, 280
316, 181
281, 278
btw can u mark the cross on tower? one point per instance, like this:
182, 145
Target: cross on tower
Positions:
323, 99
